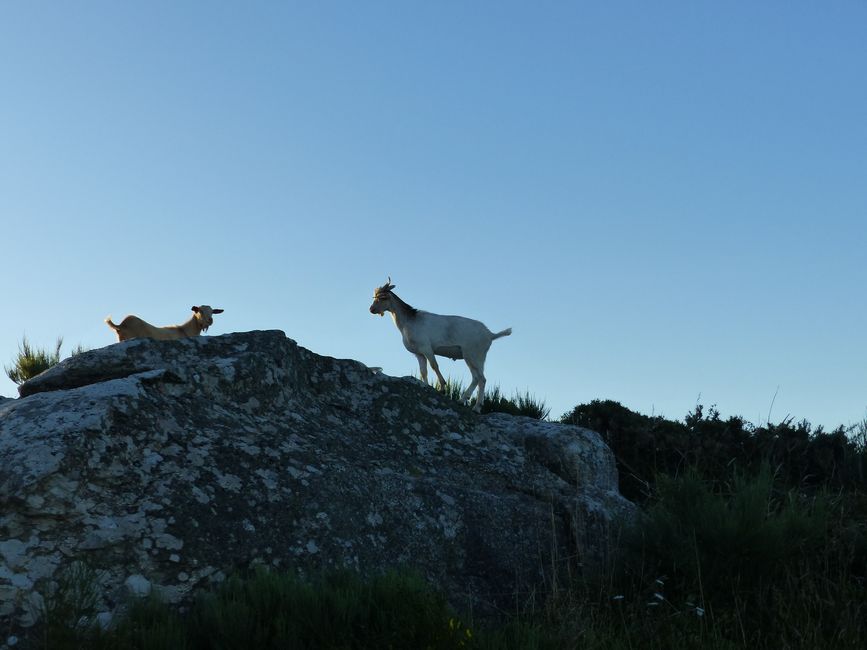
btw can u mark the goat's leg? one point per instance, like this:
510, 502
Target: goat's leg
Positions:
433, 364
422, 367
465, 396
481, 395
478, 370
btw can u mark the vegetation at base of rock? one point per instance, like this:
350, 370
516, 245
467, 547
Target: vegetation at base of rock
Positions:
67, 608
743, 565
525, 404
748, 537
31, 361
267, 610
340, 610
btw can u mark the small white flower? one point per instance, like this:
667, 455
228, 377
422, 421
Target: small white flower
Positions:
618, 597
658, 596
699, 611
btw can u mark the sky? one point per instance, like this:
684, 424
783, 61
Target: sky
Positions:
667, 202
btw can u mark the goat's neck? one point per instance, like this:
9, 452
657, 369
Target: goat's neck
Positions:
192, 327
400, 314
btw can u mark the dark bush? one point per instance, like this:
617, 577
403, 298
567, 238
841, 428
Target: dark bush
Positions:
646, 446
762, 567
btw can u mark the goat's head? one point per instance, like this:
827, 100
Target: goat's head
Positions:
382, 298
204, 314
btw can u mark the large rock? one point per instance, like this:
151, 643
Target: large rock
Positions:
169, 464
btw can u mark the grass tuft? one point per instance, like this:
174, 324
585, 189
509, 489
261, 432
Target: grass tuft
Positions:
524, 404
31, 361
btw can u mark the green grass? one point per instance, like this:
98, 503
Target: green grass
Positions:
271, 610
746, 565
519, 404
524, 404
266, 610
769, 568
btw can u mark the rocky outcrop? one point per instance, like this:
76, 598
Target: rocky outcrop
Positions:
168, 464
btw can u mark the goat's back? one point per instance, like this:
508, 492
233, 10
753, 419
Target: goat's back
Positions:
447, 330
133, 327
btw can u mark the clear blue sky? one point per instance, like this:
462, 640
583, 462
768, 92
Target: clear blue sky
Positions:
664, 200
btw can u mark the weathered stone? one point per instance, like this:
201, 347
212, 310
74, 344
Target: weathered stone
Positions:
166, 465
137, 585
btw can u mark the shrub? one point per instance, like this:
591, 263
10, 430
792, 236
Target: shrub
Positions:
730, 543
761, 566
646, 446
32, 361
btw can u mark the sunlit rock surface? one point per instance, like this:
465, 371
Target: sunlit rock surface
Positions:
167, 465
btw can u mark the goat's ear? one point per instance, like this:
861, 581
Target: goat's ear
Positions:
216, 311
195, 309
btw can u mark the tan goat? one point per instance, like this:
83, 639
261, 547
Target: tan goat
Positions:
133, 327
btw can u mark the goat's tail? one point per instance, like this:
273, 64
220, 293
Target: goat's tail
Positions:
110, 324
505, 332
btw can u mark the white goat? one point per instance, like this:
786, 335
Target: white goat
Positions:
133, 327
427, 335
